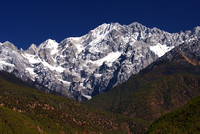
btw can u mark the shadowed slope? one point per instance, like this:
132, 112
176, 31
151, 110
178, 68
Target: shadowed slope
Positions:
46, 113
162, 87
184, 120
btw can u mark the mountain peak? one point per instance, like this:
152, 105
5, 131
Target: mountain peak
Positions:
137, 26
49, 41
7, 43
48, 44
106, 27
95, 62
33, 46
196, 30
32, 49
10, 45
136, 23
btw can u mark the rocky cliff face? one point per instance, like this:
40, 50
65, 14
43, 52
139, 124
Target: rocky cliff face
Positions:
83, 67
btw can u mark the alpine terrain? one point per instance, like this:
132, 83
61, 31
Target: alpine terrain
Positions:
162, 87
82, 67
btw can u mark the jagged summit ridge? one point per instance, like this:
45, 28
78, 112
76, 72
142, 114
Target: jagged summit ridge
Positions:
81, 67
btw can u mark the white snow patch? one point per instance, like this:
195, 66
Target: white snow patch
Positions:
81, 84
100, 33
31, 70
87, 96
7, 64
160, 50
51, 44
32, 73
75, 38
77, 42
110, 58
97, 75
32, 58
94, 49
125, 39
65, 82
80, 47
190, 39
135, 35
98, 39
57, 68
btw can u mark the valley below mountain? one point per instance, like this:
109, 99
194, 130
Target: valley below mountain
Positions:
115, 79
26, 110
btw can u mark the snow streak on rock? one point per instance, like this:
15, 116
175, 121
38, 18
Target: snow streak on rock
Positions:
82, 67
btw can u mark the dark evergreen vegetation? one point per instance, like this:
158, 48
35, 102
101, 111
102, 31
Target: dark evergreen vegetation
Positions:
162, 87
25, 110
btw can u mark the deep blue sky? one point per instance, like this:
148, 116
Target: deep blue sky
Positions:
24, 22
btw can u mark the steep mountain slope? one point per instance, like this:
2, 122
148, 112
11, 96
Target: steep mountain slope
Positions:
83, 67
24, 109
184, 120
163, 86
160, 97
13, 122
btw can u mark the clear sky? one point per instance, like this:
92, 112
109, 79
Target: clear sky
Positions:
24, 22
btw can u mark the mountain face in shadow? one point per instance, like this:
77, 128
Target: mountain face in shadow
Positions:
165, 85
183, 120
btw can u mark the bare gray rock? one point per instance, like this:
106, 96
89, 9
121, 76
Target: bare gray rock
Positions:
82, 67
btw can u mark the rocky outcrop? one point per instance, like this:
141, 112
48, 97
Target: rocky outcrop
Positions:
83, 67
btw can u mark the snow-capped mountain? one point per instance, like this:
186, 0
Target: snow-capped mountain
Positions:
82, 67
